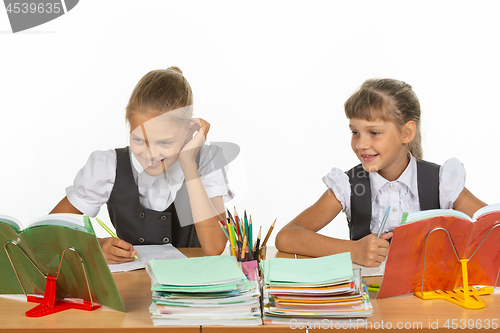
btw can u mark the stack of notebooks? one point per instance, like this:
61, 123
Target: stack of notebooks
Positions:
313, 290
202, 291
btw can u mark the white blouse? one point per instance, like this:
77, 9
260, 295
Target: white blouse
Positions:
401, 194
94, 182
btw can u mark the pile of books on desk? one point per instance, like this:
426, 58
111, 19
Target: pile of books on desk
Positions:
315, 289
202, 291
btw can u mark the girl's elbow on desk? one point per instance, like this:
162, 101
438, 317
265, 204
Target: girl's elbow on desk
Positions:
284, 240
214, 250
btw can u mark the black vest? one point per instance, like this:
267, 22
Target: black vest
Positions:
141, 226
361, 198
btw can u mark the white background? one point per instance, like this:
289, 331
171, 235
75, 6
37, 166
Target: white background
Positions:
270, 76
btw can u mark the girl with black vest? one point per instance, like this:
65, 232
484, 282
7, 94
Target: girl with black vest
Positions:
384, 118
167, 187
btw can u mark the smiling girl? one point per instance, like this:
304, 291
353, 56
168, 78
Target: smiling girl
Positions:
384, 118
167, 187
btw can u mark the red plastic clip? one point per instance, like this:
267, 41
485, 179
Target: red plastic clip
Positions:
49, 304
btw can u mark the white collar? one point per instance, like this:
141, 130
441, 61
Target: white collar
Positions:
175, 175
408, 177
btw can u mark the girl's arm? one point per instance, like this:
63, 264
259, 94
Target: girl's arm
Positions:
206, 211
115, 250
467, 203
64, 206
206, 214
300, 235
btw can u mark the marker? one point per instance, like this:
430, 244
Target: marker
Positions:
382, 225
111, 232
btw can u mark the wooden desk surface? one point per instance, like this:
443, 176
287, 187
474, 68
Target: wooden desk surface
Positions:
399, 312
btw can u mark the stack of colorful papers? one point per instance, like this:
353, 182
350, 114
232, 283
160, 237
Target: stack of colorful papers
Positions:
313, 290
202, 291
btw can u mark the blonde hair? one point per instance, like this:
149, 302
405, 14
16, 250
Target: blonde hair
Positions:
161, 91
388, 100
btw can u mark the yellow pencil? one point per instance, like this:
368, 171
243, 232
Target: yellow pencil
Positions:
243, 249
111, 232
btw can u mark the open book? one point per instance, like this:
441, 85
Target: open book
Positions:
405, 261
42, 244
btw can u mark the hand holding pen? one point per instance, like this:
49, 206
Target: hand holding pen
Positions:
384, 220
371, 251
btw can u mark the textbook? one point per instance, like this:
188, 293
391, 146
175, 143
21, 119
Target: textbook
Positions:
43, 242
405, 261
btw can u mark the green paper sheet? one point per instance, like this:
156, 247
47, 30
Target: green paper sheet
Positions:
329, 269
214, 270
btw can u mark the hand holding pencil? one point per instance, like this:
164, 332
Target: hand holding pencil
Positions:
114, 249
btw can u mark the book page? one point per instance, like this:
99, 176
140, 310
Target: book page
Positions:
11, 221
73, 221
486, 210
427, 214
145, 253
483, 250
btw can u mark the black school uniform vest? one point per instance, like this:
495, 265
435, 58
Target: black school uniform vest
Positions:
361, 198
141, 226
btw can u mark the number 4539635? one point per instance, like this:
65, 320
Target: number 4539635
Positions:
26, 7
471, 323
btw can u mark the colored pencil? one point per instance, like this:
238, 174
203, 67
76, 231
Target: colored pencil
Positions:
257, 243
239, 222
243, 248
233, 220
231, 237
250, 231
245, 226
224, 231
268, 233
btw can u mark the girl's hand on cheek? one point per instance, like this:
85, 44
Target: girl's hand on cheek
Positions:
192, 144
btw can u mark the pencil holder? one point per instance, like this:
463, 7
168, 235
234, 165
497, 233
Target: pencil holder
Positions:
257, 254
262, 253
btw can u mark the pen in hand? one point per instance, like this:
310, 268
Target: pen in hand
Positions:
105, 227
382, 225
